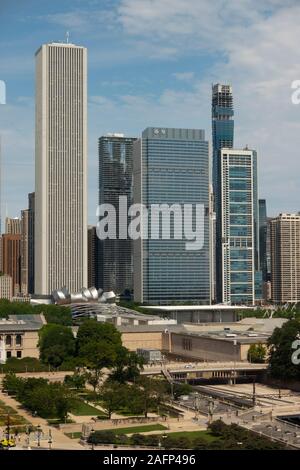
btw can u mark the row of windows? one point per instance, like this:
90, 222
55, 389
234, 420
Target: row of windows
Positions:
9, 340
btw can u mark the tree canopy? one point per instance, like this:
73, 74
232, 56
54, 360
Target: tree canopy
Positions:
56, 343
280, 343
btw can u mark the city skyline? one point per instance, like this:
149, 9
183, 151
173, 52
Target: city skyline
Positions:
175, 88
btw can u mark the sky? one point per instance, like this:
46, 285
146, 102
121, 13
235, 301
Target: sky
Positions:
152, 63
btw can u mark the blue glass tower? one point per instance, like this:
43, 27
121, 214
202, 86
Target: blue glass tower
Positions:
171, 166
222, 136
239, 221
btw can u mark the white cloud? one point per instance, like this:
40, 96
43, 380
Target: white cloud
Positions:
258, 47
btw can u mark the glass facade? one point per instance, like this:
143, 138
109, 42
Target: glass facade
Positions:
115, 179
175, 170
263, 229
222, 136
238, 169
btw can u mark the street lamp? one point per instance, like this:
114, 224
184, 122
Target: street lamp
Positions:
39, 433
50, 440
27, 437
91, 434
8, 426
164, 437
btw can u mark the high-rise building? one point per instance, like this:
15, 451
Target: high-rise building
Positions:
171, 166
13, 225
31, 197
263, 225
93, 257
238, 222
11, 259
6, 290
285, 258
222, 136
115, 180
24, 251
61, 157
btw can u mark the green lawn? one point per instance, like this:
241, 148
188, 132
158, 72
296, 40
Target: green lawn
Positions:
119, 431
137, 429
4, 409
73, 435
80, 408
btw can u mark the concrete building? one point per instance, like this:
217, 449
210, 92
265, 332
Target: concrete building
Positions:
13, 226
11, 259
31, 198
200, 313
19, 336
115, 181
285, 258
24, 251
239, 225
171, 167
6, 287
202, 342
60, 173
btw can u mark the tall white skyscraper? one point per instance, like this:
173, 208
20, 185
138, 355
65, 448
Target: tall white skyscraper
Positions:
60, 173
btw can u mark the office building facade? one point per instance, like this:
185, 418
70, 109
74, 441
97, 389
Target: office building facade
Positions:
13, 226
11, 259
115, 180
6, 287
239, 222
24, 251
222, 136
61, 157
31, 198
171, 166
285, 258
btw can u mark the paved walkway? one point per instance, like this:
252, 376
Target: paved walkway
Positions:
60, 440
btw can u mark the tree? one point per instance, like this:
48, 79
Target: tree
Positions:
113, 396
280, 358
257, 353
76, 380
12, 384
127, 365
147, 394
93, 331
56, 343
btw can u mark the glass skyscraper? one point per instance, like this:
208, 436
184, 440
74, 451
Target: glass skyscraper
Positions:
115, 180
171, 166
263, 229
222, 136
239, 222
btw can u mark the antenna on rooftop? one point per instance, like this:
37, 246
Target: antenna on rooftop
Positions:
67, 36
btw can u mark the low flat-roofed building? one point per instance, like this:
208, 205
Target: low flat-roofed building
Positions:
19, 336
200, 313
202, 342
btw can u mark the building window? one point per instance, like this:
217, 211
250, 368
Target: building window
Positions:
19, 354
8, 354
187, 344
18, 340
8, 341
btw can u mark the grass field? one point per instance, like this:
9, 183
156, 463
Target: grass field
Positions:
138, 429
81, 408
130, 430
